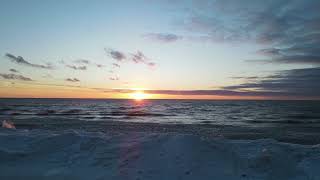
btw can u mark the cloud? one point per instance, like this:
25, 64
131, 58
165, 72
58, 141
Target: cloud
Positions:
115, 65
151, 64
295, 82
85, 62
100, 65
219, 92
15, 77
117, 55
269, 52
295, 54
289, 29
82, 61
288, 84
55, 85
297, 59
114, 78
77, 67
72, 80
163, 37
139, 57
14, 70
22, 61
247, 77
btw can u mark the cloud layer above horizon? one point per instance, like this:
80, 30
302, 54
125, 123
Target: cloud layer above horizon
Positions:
243, 48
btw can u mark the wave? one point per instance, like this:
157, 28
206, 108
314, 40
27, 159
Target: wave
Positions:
46, 112
206, 122
90, 114
285, 121
16, 113
5, 109
304, 116
134, 114
142, 113
70, 112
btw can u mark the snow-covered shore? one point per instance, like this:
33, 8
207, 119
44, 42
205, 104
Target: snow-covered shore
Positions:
67, 154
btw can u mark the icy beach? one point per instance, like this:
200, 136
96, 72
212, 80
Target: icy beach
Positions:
44, 154
157, 140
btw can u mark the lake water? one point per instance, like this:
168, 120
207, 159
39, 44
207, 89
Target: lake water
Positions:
244, 113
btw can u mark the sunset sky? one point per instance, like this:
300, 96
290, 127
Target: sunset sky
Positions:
208, 49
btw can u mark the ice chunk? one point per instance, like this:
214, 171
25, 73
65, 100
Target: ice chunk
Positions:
8, 124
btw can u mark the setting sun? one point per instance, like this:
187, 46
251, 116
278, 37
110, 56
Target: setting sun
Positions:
139, 95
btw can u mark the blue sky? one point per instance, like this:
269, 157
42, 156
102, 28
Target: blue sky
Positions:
181, 46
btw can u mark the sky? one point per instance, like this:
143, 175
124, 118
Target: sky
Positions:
191, 49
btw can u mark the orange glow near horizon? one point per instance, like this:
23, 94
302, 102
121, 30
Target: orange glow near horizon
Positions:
139, 95
40, 91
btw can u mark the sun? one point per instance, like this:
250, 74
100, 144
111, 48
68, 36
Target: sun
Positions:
139, 95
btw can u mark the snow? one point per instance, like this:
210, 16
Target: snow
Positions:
44, 154
8, 124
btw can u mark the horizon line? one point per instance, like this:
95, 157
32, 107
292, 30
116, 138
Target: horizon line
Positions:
198, 99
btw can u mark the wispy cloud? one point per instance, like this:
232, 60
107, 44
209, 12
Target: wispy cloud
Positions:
293, 59
72, 80
117, 55
82, 64
77, 67
121, 57
138, 58
151, 64
82, 61
114, 78
163, 37
245, 77
115, 65
269, 52
15, 77
20, 60
13, 70
100, 65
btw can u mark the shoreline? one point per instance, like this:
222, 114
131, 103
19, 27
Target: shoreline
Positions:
306, 135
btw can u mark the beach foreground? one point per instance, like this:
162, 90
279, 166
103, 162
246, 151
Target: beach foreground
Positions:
78, 154
159, 140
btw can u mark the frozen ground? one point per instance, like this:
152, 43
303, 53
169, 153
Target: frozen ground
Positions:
69, 154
